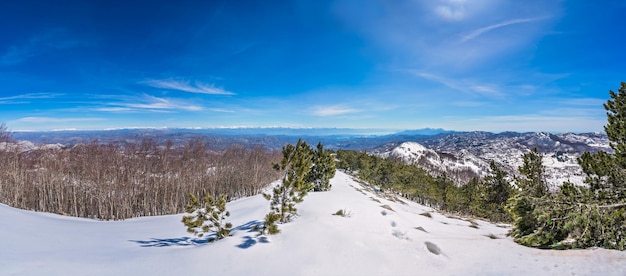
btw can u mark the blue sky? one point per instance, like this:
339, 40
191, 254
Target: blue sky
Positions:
490, 65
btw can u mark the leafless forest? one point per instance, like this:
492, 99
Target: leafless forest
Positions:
109, 181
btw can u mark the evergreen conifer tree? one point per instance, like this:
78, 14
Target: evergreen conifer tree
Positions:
532, 187
533, 182
207, 215
578, 216
323, 169
616, 127
493, 193
296, 164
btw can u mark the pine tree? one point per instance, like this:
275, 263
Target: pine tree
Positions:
296, 164
323, 169
207, 215
522, 207
492, 194
616, 127
578, 216
607, 172
533, 182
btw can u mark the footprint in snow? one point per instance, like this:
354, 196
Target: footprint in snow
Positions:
433, 248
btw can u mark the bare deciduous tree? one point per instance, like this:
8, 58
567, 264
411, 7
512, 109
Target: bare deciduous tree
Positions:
109, 181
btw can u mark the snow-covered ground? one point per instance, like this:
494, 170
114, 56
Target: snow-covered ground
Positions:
383, 236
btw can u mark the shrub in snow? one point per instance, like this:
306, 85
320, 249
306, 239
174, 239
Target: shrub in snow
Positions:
296, 164
207, 215
343, 213
426, 214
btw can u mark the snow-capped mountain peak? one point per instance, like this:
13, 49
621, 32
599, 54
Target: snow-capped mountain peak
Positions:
463, 156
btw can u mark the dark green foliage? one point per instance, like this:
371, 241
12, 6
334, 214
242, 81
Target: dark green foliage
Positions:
343, 213
480, 197
489, 196
579, 217
323, 169
207, 215
303, 168
616, 127
605, 175
533, 181
571, 218
269, 224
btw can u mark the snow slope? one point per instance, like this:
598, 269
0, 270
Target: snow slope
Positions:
374, 240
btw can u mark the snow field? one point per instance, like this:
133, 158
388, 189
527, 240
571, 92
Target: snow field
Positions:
381, 237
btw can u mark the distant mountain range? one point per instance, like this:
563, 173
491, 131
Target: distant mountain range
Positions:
464, 155
332, 138
461, 155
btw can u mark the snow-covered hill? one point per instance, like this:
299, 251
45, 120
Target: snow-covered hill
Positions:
384, 235
459, 166
466, 155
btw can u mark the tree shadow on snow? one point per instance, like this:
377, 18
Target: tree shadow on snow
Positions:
249, 241
250, 226
184, 241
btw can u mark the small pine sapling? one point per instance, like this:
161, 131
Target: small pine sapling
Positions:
269, 225
207, 215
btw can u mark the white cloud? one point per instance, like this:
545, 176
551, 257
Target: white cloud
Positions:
23, 98
54, 120
453, 10
186, 86
463, 85
483, 30
150, 104
113, 109
326, 111
221, 110
430, 34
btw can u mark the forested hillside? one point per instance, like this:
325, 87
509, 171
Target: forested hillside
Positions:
111, 181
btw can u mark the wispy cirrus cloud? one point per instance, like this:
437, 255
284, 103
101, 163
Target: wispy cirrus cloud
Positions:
148, 103
39, 120
464, 85
221, 110
444, 33
478, 32
334, 110
25, 98
187, 86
